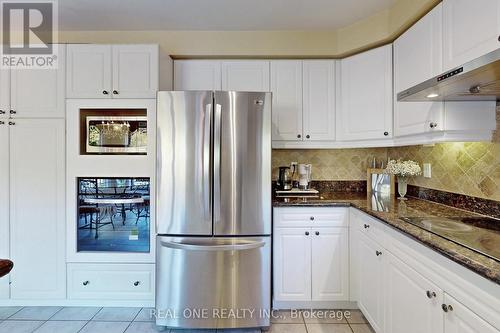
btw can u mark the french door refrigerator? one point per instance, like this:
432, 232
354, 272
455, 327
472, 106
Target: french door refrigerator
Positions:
214, 209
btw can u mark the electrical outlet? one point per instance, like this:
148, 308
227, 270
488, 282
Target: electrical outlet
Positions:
427, 170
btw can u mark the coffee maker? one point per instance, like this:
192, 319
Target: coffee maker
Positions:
304, 176
284, 179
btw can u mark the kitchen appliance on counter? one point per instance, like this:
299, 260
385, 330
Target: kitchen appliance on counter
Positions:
214, 209
304, 176
284, 179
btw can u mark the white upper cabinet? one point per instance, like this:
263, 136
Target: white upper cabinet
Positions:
365, 96
197, 75
39, 93
413, 303
105, 71
89, 71
292, 264
330, 264
245, 75
286, 86
135, 71
4, 93
418, 57
4, 203
319, 100
459, 319
471, 29
37, 206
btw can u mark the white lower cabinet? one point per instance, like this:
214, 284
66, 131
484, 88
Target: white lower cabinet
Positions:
111, 281
413, 303
311, 263
459, 319
4, 204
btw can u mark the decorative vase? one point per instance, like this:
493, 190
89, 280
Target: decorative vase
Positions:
402, 187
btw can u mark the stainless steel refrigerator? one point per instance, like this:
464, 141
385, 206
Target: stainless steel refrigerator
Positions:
214, 209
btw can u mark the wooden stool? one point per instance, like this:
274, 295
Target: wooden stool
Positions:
5, 266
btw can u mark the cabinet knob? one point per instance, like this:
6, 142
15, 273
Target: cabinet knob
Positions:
85, 283
308, 136
2, 112
136, 283
430, 294
446, 308
299, 136
433, 125
12, 112
366, 226
307, 233
386, 133
317, 233
311, 218
115, 92
105, 92
2, 122
378, 253
11, 123
499, 38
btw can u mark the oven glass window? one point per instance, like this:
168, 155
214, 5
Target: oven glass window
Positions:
113, 214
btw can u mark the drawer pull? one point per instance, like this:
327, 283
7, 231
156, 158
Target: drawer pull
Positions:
430, 294
317, 233
446, 308
136, 283
366, 226
85, 283
378, 253
312, 218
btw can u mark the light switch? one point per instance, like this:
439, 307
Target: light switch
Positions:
427, 170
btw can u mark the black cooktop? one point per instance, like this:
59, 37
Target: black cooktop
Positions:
480, 234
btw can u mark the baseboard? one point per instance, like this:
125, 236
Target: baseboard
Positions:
286, 305
66, 302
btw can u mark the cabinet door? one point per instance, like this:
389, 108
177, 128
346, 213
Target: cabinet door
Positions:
39, 93
371, 281
251, 75
37, 176
4, 93
330, 267
471, 29
292, 264
418, 57
88, 71
366, 96
197, 75
459, 319
4, 204
135, 71
286, 86
319, 100
413, 303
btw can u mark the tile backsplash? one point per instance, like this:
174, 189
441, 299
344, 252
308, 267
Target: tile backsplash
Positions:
471, 168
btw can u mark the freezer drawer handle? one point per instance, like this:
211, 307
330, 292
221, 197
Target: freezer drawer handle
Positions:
226, 247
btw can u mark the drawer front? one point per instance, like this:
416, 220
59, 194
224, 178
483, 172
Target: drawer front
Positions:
111, 282
311, 217
368, 226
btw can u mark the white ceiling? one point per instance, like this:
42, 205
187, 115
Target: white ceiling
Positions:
214, 14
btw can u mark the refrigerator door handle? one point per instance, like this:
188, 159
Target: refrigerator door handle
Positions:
216, 161
207, 158
225, 247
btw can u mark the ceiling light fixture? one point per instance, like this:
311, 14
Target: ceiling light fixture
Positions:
433, 95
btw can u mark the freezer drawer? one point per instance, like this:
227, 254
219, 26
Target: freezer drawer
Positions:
213, 282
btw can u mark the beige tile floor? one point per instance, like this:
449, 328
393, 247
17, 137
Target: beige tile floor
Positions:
53, 319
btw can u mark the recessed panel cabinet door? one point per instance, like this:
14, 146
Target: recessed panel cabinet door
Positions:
459, 319
37, 205
39, 93
286, 86
366, 96
4, 93
418, 57
197, 75
413, 303
471, 29
245, 75
88, 71
319, 100
4, 204
292, 264
135, 71
330, 264
371, 281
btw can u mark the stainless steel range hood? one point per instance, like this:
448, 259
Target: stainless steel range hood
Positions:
477, 80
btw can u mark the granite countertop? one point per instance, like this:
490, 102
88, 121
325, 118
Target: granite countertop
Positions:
390, 211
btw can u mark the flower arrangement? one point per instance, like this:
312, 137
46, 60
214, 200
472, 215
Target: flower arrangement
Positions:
402, 170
